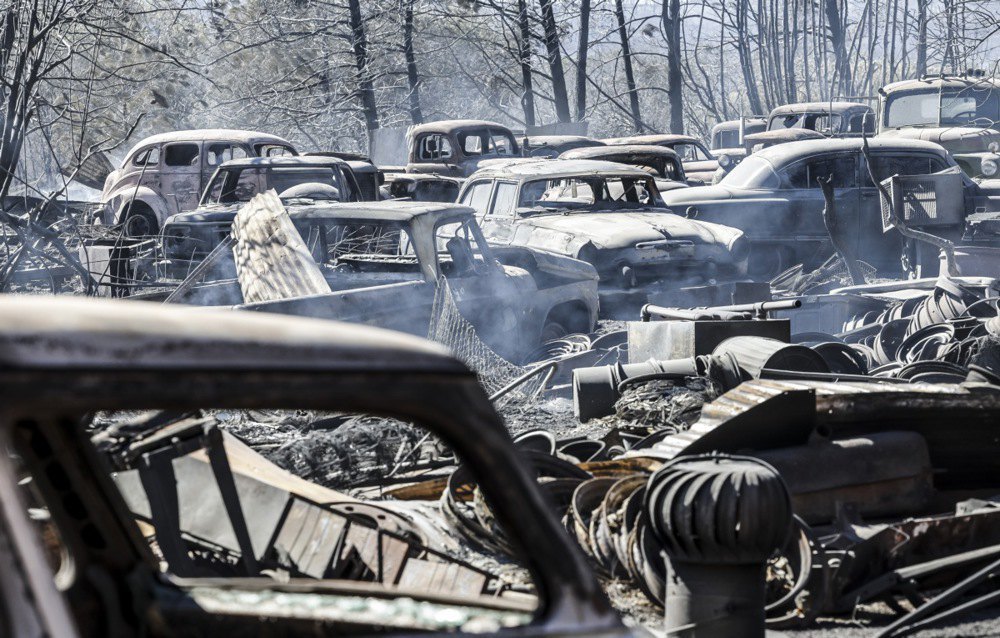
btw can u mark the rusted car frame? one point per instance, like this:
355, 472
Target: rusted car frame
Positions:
165, 174
699, 163
455, 147
62, 360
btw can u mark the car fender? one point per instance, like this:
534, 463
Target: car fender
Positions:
118, 203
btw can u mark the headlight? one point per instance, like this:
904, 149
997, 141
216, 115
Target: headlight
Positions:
725, 161
989, 167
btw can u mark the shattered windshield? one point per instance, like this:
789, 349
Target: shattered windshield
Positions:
234, 185
588, 191
320, 498
950, 107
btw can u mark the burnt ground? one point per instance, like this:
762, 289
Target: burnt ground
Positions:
328, 448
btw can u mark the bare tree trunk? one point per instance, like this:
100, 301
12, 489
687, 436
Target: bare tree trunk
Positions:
671, 17
842, 68
524, 54
746, 57
559, 94
412, 76
633, 95
581, 61
366, 89
922, 37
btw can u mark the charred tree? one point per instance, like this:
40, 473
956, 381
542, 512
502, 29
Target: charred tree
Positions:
524, 55
922, 37
366, 88
559, 94
835, 24
581, 61
742, 38
412, 75
671, 17
633, 94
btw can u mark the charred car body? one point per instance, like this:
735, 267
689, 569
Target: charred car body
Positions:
729, 134
165, 174
298, 559
606, 214
664, 163
758, 142
774, 197
455, 147
385, 265
832, 119
699, 163
552, 146
189, 237
961, 113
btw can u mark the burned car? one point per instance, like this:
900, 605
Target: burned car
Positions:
758, 142
730, 134
606, 214
774, 197
187, 238
663, 162
139, 513
832, 119
388, 264
552, 146
166, 174
699, 163
455, 147
422, 187
961, 113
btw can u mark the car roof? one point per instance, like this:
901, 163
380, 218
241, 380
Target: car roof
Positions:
424, 177
396, 211
209, 134
939, 82
49, 332
818, 107
556, 140
657, 139
553, 168
298, 160
782, 153
732, 125
598, 152
790, 134
450, 126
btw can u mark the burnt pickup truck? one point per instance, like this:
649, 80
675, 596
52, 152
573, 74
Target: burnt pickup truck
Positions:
959, 112
606, 214
107, 536
384, 264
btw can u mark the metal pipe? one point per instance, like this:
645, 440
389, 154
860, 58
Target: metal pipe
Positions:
731, 312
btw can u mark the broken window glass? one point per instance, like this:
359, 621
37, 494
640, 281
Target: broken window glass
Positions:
505, 199
478, 196
216, 154
434, 147
273, 150
803, 174
147, 157
185, 154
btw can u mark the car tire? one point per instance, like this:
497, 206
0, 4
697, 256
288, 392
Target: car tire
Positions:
141, 223
553, 330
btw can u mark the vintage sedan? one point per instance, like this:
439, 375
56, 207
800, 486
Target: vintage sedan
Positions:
165, 174
774, 197
754, 142
664, 163
188, 237
456, 147
699, 163
832, 119
604, 213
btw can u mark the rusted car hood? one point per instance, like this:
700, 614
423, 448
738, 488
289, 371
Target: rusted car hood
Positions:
568, 233
956, 139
